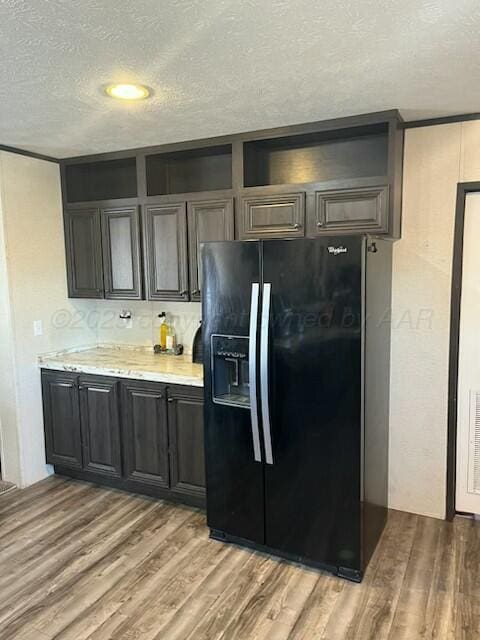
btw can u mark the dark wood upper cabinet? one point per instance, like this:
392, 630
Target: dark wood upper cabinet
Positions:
189, 170
349, 210
322, 156
165, 242
84, 253
275, 176
145, 433
187, 457
208, 221
272, 216
100, 425
121, 253
100, 180
62, 419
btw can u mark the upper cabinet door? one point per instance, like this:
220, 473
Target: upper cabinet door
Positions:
121, 253
272, 216
84, 253
165, 229
363, 210
208, 220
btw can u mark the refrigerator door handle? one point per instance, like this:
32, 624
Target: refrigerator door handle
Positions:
264, 340
252, 370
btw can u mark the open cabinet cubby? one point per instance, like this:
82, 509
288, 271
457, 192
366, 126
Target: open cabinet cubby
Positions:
101, 180
359, 152
205, 169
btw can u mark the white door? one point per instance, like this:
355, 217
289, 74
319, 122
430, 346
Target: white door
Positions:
468, 406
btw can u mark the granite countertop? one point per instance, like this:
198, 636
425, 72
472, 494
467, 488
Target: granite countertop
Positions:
137, 363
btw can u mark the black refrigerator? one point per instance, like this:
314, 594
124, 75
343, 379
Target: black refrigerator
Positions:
297, 352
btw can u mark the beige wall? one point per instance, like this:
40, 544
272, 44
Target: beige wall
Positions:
145, 323
9, 441
32, 287
436, 159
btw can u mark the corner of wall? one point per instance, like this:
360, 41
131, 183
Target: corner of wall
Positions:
36, 290
421, 320
10, 450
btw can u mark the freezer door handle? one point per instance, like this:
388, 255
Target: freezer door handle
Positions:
264, 340
252, 370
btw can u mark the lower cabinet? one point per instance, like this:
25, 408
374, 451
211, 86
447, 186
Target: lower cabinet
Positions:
185, 428
145, 432
61, 413
100, 425
131, 434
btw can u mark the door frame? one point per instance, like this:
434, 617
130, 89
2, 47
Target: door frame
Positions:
463, 189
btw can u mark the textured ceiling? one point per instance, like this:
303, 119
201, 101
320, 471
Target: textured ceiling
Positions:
225, 66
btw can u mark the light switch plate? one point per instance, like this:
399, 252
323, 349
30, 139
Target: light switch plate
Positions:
37, 328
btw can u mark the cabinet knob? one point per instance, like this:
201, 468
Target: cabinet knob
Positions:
297, 225
195, 291
81, 387
184, 292
319, 225
159, 397
170, 400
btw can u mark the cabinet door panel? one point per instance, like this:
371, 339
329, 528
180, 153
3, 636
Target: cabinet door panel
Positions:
145, 433
352, 210
208, 221
62, 419
273, 216
121, 253
165, 231
84, 253
187, 448
100, 423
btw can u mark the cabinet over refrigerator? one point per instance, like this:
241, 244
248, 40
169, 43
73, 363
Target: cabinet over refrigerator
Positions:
297, 350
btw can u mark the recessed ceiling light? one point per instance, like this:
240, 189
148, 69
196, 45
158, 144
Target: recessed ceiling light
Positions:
127, 91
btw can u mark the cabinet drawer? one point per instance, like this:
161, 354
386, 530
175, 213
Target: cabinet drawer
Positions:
272, 216
347, 211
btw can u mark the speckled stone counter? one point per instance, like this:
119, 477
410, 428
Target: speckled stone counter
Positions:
125, 362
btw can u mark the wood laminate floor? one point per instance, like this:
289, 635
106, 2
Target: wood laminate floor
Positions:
79, 561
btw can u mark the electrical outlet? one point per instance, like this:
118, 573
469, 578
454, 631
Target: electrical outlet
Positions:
37, 328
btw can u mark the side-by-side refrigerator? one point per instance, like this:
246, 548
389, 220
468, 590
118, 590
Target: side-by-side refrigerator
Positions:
297, 352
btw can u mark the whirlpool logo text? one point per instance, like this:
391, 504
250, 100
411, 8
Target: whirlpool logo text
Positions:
337, 250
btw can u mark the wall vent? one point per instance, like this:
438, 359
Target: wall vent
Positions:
474, 444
